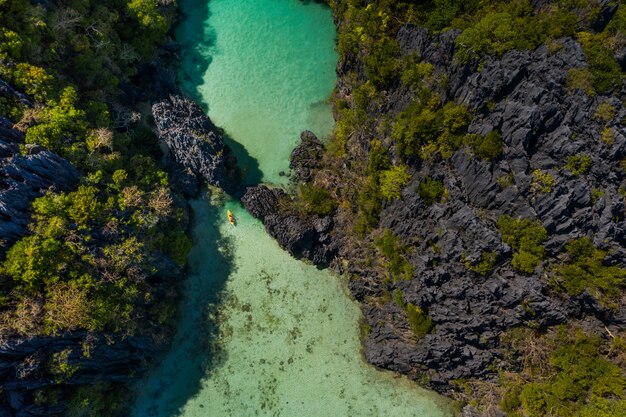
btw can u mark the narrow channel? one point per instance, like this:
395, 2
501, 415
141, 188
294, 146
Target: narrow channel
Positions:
261, 333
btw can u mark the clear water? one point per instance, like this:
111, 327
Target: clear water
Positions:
260, 333
272, 67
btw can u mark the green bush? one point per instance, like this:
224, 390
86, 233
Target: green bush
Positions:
542, 182
502, 26
420, 322
378, 158
585, 270
369, 204
316, 200
605, 113
395, 255
485, 265
526, 237
533, 400
392, 181
581, 79
432, 191
605, 71
59, 123
60, 367
578, 164
382, 63
415, 75
34, 261
489, 147
179, 246
571, 377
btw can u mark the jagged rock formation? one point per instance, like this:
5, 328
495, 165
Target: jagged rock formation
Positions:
197, 151
523, 95
27, 365
303, 237
24, 177
306, 157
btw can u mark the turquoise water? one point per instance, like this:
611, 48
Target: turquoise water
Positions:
260, 333
271, 70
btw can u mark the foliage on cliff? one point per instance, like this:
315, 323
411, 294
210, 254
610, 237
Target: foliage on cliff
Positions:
395, 114
92, 258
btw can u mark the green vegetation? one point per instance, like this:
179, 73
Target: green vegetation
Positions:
392, 181
585, 269
97, 400
315, 200
502, 26
485, 265
395, 255
426, 127
605, 71
565, 373
370, 198
432, 191
607, 136
419, 321
581, 79
488, 148
60, 367
605, 113
526, 237
578, 164
542, 182
88, 261
431, 128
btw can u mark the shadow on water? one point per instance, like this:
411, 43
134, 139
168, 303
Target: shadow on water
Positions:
249, 172
200, 39
195, 350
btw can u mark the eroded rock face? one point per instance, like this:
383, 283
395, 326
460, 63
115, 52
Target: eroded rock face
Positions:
524, 96
303, 237
306, 157
27, 364
196, 147
24, 177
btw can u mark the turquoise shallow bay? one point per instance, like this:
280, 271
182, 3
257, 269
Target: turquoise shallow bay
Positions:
260, 333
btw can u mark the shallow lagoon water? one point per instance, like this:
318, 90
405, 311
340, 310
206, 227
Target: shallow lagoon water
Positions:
271, 69
260, 333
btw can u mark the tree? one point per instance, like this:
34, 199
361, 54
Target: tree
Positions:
392, 181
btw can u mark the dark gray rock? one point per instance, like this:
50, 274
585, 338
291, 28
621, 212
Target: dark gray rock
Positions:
24, 177
524, 96
196, 147
25, 366
261, 201
307, 156
303, 237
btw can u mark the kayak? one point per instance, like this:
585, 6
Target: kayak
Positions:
231, 218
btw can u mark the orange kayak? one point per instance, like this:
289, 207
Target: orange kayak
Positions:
231, 218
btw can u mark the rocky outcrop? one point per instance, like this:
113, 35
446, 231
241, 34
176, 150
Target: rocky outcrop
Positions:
303, 237
306, 157
31, 364
197, 151
524, 96
261, 201
24, 177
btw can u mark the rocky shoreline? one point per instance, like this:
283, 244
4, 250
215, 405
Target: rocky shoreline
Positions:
525, 96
